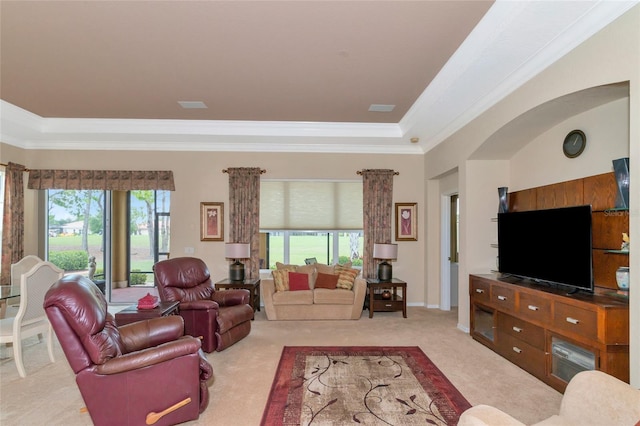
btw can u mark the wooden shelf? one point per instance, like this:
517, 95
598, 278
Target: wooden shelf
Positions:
608, 223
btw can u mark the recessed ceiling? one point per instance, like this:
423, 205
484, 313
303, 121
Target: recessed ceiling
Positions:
274, 75
320, 61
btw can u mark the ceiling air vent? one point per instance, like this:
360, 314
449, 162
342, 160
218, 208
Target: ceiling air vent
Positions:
381, 108
192, 104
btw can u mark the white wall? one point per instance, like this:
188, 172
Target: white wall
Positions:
611, 56
198, 177
607, 132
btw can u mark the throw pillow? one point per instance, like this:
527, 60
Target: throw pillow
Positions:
347, 277
282, 267
329, 281
325, 269
310, 270
281, 280
298, 281
345, 267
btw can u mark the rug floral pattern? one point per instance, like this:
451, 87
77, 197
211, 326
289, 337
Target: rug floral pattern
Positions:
363, 385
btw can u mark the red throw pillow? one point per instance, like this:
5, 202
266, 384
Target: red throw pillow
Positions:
298, 281
329, 281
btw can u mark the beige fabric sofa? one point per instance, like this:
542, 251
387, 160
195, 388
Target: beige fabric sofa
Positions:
315, 303
591, 398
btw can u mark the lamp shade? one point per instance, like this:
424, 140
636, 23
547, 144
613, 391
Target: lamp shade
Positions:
385, 251
237, 251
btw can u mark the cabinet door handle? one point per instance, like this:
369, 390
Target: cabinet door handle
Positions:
572, 320
517, 329
533, 307
479, 290
502, 298
517, 349
388, 306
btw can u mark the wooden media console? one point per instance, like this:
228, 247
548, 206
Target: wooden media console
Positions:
541, 328
525, 322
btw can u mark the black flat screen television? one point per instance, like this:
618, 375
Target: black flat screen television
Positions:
551, 246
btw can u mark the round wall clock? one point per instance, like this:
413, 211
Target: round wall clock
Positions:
574, 143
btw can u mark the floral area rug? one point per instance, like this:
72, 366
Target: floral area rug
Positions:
360, 385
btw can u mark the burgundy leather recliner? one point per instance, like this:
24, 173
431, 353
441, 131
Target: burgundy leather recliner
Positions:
130, 374
221, 318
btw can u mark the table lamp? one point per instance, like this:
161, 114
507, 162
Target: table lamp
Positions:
237, 251
385, 252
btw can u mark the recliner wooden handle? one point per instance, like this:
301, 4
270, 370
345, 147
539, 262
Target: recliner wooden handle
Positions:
154, 417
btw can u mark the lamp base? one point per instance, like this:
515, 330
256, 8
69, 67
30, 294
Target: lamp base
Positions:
384, 272
236, 271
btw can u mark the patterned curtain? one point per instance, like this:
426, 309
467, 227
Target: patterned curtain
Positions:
377, 187
110, 180
12, 220
244, 213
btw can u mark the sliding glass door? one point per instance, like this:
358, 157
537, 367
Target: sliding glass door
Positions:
76, 231
112, 237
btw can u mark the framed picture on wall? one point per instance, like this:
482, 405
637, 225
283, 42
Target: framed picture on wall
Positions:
211, 221
406, 222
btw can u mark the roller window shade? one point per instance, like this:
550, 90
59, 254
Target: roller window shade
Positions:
304, 205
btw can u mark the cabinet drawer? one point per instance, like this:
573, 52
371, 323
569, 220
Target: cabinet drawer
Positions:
576, 320
535, 308
480, 290
521, 330
503, 297
522, 354
387, 305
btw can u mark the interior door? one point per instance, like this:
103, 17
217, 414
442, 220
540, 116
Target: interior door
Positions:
454, 223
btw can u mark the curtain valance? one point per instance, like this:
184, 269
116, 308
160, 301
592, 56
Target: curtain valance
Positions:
112, 180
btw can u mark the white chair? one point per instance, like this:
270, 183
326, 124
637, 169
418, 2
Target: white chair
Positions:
31, 319
17, 269
23, 266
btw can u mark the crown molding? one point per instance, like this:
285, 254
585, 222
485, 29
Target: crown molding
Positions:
29, 131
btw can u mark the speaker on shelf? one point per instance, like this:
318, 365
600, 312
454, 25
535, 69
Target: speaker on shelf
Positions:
503, 199
621, 171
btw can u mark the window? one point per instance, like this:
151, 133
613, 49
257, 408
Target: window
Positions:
311, 219
148, 233
75, 229
294, 247
83, 225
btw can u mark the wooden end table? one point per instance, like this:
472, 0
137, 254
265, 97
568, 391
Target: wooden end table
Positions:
395, 303
251, 284
133, 314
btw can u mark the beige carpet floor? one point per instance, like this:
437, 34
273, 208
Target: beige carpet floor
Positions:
243, 373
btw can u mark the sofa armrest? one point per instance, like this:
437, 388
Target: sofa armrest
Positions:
198, 305
360, 291
595, 397
231, 297
152, 332
485, 415
143, 358
268, 288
